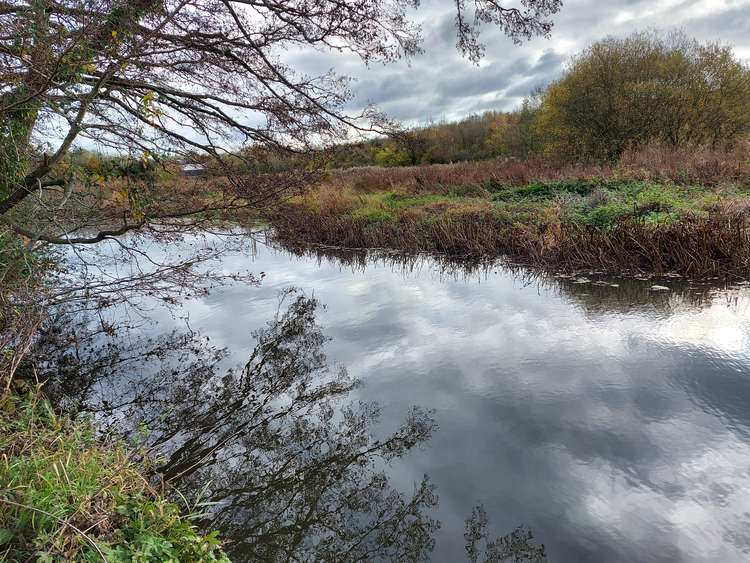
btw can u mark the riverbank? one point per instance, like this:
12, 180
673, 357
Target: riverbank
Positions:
67, 495
690, 220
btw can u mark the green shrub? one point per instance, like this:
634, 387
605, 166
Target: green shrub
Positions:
544, 190
391, 156
372, 216
494, 185
661, 217
608, 214
399, 200
659, 197
468, 190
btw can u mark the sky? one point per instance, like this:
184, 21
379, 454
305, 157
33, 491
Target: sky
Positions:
441, 84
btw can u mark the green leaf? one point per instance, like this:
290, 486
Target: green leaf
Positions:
5, 536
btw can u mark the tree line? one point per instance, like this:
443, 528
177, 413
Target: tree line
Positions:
617, 94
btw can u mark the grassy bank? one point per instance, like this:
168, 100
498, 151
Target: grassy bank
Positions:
657, 213
64, 495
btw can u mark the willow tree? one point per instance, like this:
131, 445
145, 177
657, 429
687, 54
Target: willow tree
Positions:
171, 76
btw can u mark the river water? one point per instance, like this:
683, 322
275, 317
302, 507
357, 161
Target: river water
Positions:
610, 418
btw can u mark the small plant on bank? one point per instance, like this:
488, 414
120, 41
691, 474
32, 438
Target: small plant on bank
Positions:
372, 216
607, 214
64, 495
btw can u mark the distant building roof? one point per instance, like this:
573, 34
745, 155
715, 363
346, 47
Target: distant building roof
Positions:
193, 168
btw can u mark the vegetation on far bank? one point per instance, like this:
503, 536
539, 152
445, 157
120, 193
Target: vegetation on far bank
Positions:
658, 210
635, 158
66, 495
615, 95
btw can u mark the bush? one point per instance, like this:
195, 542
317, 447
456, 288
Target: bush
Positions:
657, 198
622, 93
607, 214
372, 216
391, 156
544, 190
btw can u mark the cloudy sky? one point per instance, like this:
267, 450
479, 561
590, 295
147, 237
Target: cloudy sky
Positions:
441, 84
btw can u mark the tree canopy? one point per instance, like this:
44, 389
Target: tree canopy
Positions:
150, 76
623, 92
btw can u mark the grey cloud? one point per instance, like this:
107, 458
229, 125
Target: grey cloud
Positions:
387, 89
473, 84
549, 61
732, 26
523, 88
405, 109
440, 83
445, 30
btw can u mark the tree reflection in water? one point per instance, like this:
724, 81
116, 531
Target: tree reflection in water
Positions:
292, 473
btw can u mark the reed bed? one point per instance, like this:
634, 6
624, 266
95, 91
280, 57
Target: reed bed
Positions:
697, 247
658, 210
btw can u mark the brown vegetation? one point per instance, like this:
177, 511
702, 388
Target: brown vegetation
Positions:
708, 166
699, 247
658, 210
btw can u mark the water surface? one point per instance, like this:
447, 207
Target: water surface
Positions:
611, 420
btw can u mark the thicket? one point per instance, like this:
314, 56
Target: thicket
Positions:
623, 93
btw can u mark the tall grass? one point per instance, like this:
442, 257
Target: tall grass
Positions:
66, 496
708, 166
657, 210
695, 246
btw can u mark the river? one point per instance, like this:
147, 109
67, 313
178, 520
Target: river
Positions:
609, 418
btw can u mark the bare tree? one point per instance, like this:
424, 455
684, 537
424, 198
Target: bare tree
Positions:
524, 22
170, 76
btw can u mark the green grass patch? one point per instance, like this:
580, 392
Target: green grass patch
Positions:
397, 200
647, 201
65, 495
372, 216
595, 202
544, 190
607, 214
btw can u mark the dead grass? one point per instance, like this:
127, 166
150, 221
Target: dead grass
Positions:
658, 210
466, 177
705, 166
682, 165
695, 247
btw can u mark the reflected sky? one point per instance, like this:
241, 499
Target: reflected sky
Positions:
612, 421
